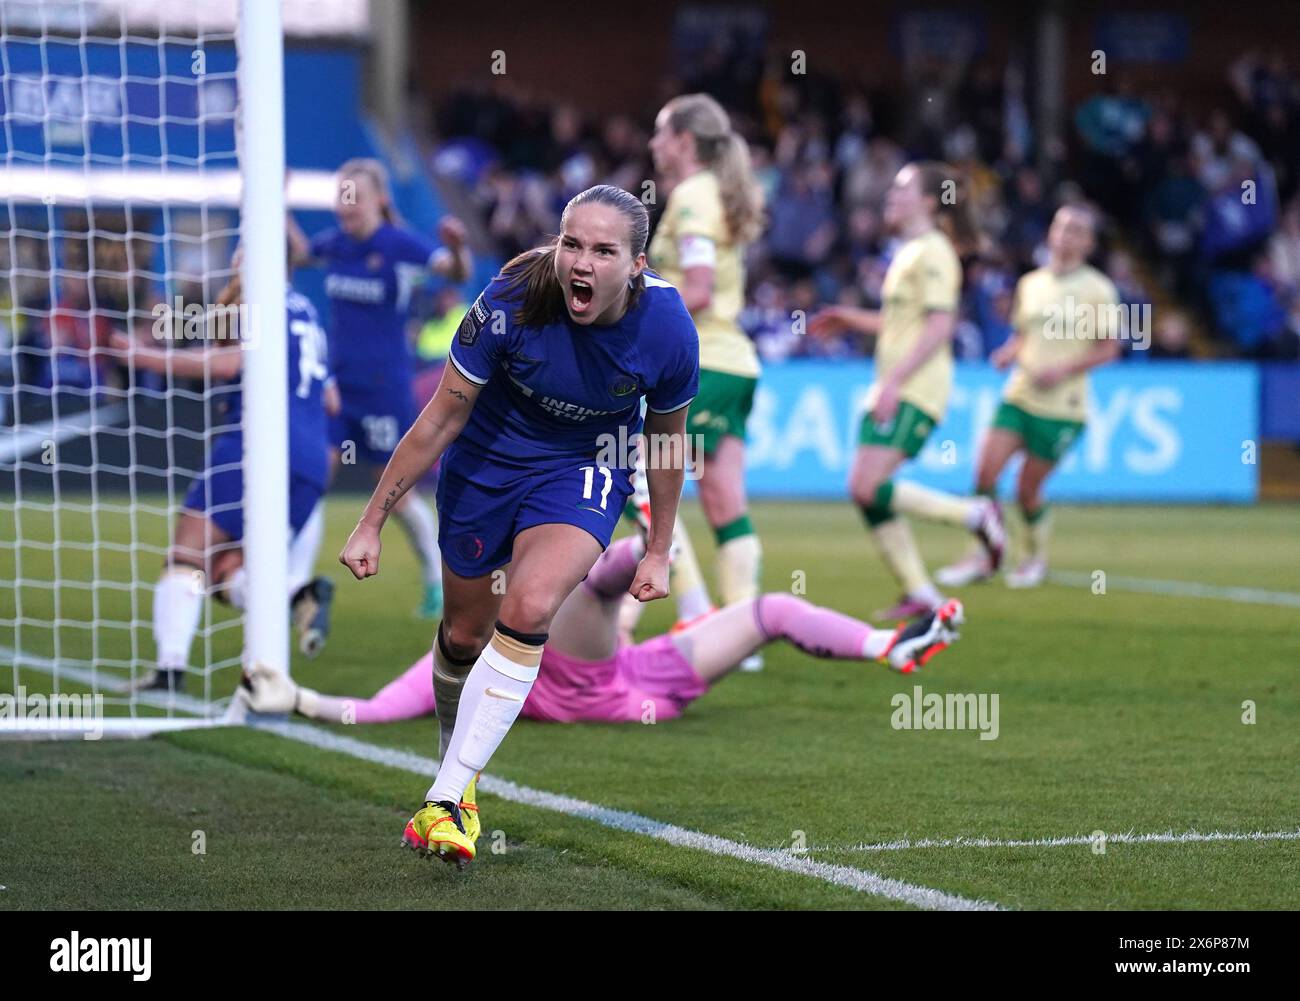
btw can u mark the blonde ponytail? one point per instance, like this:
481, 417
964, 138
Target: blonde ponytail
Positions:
742, 198
723, 151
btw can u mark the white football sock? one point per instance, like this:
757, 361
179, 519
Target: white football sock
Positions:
304, 548
876, 643
490, 701
421, 527
177, 606
236, 588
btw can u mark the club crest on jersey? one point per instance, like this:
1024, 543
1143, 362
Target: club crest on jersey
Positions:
469, 547
470, 327
375, 261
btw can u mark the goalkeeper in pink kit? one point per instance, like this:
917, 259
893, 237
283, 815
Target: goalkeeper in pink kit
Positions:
589, 674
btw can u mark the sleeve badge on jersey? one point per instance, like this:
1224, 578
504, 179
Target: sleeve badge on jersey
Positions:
470, 327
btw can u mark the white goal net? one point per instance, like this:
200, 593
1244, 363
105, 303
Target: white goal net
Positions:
122, 195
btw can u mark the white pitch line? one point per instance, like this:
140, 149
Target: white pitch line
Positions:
840, 875
622, 820
1181, 588
117, 727
109, 681
1129, 838
30, 438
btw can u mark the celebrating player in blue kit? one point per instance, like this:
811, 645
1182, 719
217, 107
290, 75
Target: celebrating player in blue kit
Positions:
548, 367
372, 262
205, 551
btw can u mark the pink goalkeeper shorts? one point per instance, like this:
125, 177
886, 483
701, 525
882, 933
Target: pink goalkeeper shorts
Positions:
643, 683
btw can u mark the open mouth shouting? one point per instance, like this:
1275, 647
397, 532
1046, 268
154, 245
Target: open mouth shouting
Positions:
580, 296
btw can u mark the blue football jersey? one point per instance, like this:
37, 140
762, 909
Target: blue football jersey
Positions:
308, 371
552, 392
369, 287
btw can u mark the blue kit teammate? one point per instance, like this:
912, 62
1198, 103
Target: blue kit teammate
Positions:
548, 369
372, 261
205, 552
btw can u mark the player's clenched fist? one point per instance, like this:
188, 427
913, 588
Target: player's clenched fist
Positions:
651, 580
361, 553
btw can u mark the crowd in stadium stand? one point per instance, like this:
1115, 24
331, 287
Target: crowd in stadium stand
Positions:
58, 313
1204, 203
1187, 231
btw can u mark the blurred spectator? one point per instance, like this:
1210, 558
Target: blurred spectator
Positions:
1172, 337
79, 339
1245, 305
1219, 152
802, 224
1112, 125
768, 322
1174, 220
1284, 250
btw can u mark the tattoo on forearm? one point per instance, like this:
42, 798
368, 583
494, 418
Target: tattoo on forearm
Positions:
393, 494
459, 395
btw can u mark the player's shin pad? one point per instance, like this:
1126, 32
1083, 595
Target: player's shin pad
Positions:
449, 674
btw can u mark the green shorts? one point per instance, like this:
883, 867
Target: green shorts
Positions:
1045, 438
907, 432
721, 407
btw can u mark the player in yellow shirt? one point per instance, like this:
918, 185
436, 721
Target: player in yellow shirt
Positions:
909, 397
1066, 318
714, 208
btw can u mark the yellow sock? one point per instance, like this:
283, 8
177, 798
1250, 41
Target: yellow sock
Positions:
685, 579
1038, 529
738, 568
934, 505
898, 549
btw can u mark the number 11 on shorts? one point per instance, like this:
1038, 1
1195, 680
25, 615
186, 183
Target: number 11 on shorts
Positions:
589, 476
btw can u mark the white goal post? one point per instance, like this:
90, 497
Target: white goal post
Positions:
266, 456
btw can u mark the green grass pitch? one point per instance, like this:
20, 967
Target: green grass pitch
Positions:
1119, 712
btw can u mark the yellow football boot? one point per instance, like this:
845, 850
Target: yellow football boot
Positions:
437, 829
469, 810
